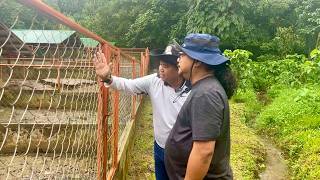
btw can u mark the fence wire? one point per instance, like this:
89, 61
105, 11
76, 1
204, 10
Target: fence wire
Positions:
49, 99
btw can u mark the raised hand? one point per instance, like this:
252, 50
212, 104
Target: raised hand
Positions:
103, 69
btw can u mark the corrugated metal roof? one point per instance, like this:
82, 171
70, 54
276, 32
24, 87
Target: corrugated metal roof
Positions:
42, 36
14, 45
88, 42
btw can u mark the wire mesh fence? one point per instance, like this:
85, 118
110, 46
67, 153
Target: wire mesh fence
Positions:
56, 119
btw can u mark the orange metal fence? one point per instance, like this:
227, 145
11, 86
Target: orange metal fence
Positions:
57, 119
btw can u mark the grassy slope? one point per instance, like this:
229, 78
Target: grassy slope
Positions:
246, 156
293, 121
247, 152
141, 164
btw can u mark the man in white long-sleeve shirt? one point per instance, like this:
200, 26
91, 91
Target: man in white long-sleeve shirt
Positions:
167, 90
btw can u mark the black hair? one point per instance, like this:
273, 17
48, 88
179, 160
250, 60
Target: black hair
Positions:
226, 77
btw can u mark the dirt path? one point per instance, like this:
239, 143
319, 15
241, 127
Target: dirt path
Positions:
276, 167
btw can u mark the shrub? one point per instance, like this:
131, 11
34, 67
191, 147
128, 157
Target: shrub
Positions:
293, 71
293, 119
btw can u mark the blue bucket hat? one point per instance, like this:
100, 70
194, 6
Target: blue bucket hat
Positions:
204, 48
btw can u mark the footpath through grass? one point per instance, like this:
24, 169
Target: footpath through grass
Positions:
247, 152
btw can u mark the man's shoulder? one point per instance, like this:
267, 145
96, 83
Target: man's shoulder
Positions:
154, 78
208, 88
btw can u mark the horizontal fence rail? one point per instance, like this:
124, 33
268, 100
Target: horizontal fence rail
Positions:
57, 120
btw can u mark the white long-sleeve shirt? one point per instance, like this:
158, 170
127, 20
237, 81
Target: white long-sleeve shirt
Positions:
166, 101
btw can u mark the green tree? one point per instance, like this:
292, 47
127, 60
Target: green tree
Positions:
246, 24
115, 17
17, 16
308, 20
153, 27
224, 18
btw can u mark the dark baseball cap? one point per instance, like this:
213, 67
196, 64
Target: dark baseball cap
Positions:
169, 55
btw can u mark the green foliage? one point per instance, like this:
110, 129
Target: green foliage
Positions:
240, 63
223, 18
294, 70
293, 119
275, 27
315, 55
17, 16
285, 42
308, 20
157, 21
252, 104
114, 18
267, 57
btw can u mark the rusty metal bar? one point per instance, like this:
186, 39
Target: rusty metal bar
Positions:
40, 59
116, 115
133, 49
141, 64
48, 66
102, 171
147, 56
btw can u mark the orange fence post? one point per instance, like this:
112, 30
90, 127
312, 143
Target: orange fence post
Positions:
102, 151
116, 114
141, 65
115, 122
147, 59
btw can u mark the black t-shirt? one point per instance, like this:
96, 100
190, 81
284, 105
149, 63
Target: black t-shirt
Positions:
204, 116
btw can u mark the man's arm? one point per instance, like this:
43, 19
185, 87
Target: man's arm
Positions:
199, 159
132, 86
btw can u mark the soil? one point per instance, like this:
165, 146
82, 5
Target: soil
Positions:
51, 166
68, 85
276, 167
45, 116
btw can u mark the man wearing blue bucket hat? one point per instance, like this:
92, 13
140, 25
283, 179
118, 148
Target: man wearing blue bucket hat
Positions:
198, 146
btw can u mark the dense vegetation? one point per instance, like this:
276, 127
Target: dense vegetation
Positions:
283, 101
264, 27
276, 27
